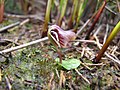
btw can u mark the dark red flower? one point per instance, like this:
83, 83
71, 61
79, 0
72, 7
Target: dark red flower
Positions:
59, 37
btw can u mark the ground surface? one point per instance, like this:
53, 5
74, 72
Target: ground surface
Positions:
35, 68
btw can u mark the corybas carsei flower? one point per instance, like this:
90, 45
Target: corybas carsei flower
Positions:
59, 37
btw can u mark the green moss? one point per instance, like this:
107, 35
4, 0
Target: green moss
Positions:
29, 65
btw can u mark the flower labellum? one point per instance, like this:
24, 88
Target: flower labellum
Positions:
59, 37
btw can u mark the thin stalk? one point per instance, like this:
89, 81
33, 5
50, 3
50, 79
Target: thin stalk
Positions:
82, 6
108, 41
73, 13
47, 15
24, 4
60, 55
2, 1
118, 5
96, 19
63, 4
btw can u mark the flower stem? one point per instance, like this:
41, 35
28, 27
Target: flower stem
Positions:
60, 55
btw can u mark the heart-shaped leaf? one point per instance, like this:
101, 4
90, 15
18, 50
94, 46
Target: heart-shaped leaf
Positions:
69, 64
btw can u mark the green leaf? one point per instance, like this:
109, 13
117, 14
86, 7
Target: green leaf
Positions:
69, 64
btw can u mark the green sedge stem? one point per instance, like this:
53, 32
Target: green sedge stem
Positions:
2, 1
82, 6
110, 38
47, 15
63, 5
73, 14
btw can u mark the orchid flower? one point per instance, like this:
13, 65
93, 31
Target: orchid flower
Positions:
59, 37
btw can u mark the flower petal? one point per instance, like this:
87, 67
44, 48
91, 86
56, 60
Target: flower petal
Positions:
59, 37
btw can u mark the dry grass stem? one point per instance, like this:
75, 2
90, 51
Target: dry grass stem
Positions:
106, 33
83, 51
97, 31
114, 50
23, 45
57, 73
82, 28
50, 81
9, 26
82, 76
110, 10
109, 56
20, 24
35, 16
62, 79
118, 5
9, 86
86, 66
90, 64
0, 75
